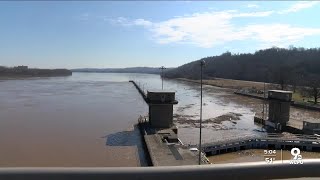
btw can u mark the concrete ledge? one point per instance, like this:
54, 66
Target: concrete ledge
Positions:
250, 95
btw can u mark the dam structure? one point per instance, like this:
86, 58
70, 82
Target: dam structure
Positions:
270, 141
165, 149
278, 117
159, 133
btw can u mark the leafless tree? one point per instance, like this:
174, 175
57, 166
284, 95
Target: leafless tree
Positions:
313, 89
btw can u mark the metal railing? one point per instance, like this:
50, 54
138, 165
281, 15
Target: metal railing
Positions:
301, 138
253, 170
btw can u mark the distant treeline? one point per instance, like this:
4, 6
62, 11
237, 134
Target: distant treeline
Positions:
275, 65
24, 71
146, 70
297, 67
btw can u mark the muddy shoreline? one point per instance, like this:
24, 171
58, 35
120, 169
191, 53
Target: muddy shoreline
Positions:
221, 104
190, 120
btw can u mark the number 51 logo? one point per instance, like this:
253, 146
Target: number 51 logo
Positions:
297, 158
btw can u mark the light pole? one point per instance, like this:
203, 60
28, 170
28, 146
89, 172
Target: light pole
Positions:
264, 99
143, 87
202, 63
162, 68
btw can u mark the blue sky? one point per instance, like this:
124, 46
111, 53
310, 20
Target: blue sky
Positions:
126, 34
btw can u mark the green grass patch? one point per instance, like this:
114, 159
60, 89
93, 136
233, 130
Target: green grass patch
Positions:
298, 97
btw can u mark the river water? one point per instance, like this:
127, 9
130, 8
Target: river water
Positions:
88, 119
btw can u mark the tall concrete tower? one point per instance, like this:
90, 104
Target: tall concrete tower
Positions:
161, 108
279, 106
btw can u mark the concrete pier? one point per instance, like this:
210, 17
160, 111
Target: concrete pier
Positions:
163, 154
144, 96
165, 149
159, 133
279, 115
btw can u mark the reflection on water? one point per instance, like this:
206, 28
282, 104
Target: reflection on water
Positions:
59, 121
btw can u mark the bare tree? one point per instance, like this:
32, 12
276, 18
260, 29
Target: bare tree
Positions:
313, 89
282, 77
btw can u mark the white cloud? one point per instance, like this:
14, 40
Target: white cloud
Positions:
210, 29
126, 22
254, 14
253, 6
120, 20
205, 29
299, 6
281, 35
84, 17
142, 22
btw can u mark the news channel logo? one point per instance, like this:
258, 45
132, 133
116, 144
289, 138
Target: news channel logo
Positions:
296, 156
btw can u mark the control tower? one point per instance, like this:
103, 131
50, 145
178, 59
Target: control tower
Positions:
279, 106
161, 108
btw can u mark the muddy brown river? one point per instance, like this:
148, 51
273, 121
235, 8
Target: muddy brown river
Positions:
88, 119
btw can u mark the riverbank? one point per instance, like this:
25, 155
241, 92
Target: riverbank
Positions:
252, 88
25, 77
216, 99
231, 83
303, 105
20, 72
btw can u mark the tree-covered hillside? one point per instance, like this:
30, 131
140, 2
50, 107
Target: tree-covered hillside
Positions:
146, 70
24, 71
276, 65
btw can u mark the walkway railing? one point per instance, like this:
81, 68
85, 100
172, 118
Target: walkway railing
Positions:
256, 170
269, 137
